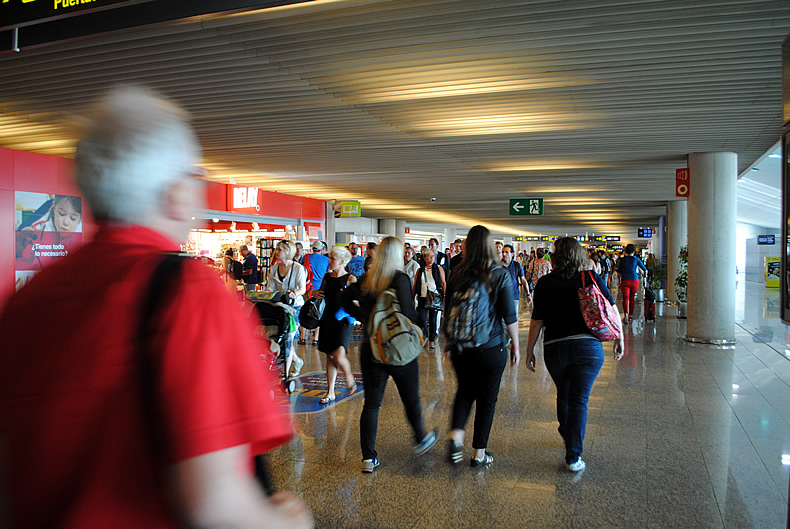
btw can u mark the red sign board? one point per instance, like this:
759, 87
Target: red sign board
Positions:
682, 180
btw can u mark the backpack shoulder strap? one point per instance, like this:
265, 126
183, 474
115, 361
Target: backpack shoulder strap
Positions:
148, 360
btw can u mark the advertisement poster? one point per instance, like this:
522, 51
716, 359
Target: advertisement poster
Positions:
772, 271
48, 228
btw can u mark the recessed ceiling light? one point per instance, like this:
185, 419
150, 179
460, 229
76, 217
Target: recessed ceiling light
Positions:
774, 155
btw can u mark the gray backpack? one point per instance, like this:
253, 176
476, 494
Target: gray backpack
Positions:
394, 339
469, 322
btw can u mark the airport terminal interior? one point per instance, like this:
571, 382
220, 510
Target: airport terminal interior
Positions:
659, 123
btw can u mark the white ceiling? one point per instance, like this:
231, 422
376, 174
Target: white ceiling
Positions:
592, 105
760, 191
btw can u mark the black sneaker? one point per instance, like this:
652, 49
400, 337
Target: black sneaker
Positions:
487, 460
455, 453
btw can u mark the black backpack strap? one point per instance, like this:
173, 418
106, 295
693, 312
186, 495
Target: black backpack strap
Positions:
148, 360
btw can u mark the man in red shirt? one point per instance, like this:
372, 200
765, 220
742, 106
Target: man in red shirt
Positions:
74, 434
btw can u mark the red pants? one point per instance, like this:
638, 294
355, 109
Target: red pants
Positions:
628, 288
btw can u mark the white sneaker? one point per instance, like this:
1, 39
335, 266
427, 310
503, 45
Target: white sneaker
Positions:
297, 364
577, 466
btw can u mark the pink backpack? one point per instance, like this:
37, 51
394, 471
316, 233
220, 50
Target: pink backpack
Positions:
599, 315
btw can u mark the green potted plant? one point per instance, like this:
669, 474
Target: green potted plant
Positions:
658, 277
682, 281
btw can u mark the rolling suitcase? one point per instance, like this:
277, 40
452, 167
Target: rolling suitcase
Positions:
650, 305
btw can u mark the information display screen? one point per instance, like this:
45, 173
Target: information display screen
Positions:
766, 239
645, 233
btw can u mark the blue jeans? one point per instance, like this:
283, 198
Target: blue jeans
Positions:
573, 365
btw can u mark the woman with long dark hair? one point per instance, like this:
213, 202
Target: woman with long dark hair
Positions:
572, 353
479, 369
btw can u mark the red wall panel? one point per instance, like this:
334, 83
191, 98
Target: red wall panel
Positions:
7, 242
313, 209
281, 205
6, 169
216, 196
35, 172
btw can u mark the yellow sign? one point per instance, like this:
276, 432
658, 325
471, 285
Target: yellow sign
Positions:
773, 267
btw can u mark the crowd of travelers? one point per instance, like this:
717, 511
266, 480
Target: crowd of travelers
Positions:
142, 363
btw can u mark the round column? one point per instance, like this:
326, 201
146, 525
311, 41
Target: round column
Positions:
677, 236
388, 227
711, 215
400, 229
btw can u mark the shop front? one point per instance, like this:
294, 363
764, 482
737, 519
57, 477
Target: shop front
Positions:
246, 215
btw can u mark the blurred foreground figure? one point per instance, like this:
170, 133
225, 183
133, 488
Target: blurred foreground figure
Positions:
112, 415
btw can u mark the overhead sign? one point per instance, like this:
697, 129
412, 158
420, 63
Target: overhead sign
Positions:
766, 239
611, 238
549, 238
350, 209
682, 181
522, 238
21, 12
644, 233
526, 206
39, 22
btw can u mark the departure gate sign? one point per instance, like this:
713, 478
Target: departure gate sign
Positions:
22, 12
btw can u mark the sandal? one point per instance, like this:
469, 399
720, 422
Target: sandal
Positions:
315, 342
301, 342
326, 400
352, 389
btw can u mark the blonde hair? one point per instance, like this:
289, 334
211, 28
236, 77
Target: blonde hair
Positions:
289, 248
341, 252
388, 261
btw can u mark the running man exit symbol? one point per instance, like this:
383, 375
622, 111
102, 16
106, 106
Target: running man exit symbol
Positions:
526, 206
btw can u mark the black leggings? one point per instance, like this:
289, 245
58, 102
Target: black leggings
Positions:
374, 380
479, 373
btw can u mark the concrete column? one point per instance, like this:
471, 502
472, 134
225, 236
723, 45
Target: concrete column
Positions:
388, 227
507, 240
661, 246
400, 229
677, 236
329, 232
712, 214
449, 237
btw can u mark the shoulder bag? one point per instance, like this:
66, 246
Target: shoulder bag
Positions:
598, 314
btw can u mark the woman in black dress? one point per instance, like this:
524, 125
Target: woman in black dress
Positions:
335, 334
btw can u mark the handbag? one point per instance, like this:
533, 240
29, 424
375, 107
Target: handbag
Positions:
433, 300
311, 312
598, 314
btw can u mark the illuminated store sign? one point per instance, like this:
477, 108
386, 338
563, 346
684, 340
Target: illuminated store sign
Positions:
22, 12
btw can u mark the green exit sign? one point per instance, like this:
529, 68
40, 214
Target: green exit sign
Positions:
526, 206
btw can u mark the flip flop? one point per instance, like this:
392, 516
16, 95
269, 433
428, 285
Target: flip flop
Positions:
352, 389
325, 400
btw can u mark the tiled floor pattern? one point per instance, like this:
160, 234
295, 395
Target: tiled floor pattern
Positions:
679, 435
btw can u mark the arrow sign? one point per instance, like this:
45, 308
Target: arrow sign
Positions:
526, 206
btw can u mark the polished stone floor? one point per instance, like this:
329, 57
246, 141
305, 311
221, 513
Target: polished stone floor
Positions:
679, 435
